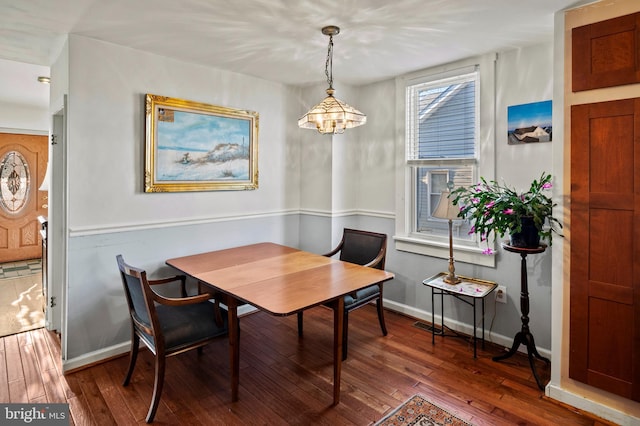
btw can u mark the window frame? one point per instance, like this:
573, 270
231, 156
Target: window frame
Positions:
406, 239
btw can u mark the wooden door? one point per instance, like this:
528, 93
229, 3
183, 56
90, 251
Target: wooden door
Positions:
605, 246
23, 163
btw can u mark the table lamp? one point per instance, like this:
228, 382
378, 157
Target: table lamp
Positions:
446, 210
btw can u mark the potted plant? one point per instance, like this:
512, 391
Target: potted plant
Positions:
499, 209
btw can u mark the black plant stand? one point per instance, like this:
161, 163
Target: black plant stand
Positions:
524, 336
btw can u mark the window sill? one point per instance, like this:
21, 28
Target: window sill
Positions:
471, 255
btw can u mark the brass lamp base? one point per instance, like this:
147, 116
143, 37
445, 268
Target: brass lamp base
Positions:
451, 279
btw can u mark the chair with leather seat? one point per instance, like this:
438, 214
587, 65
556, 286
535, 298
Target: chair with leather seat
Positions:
363, 248
167, 325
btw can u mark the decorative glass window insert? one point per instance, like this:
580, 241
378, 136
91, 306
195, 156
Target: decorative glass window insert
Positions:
441, 142
15, 181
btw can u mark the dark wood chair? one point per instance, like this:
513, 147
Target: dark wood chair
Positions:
367, 249
167, 325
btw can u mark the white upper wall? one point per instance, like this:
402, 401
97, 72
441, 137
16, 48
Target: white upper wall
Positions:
524, 76
20, 119
376, 166
106, 138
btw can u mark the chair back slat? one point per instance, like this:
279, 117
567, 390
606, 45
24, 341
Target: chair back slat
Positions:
138, 306
362, 247
140, 302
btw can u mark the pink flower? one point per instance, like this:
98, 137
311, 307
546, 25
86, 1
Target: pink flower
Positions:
490, 204
475, 200
508, 211
547, 185
472, 230
488, 250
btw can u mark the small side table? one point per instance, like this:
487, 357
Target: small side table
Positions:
524, 336
469, 291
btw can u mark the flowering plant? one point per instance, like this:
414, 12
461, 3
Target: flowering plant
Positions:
496, 208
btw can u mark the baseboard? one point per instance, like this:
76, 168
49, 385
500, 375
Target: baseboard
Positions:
105, 354
117, 350
596, 409
498, 339
95, 357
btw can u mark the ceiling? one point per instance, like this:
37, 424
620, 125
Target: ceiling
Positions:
278, 40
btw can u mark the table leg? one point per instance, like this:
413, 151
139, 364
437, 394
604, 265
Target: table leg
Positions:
483, 323
442, 313
234, 346
433, 318
524, 336
475, 332
338, 320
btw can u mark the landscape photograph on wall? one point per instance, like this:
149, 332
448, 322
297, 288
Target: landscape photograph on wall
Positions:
529, 123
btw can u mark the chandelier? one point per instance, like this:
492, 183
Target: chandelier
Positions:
331, 116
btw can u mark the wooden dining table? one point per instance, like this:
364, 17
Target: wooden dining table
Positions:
279, 280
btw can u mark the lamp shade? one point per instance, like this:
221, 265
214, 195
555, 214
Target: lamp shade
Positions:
45, 182
332, 116
445, 208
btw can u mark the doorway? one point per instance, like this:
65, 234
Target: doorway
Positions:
23, 207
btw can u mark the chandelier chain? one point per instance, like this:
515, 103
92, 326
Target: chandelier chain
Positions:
328, 66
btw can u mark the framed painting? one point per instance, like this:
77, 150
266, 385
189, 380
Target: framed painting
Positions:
192, 146
529, 123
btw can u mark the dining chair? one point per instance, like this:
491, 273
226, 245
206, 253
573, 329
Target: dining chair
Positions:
364, 248
167, 325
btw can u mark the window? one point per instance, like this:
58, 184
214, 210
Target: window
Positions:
15, 181
430, 182
447, 136
441, 134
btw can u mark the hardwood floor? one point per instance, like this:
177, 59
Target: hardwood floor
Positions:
287, 381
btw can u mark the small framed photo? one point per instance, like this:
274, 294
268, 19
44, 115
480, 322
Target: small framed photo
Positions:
192, 146
529, 123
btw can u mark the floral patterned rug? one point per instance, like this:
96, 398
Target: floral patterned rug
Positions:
417, 411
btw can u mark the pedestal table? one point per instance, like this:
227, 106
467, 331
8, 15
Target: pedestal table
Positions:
524, 336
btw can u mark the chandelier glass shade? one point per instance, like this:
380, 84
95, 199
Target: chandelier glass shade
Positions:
331, 116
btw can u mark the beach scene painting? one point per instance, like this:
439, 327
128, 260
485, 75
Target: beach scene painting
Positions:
529, 123
193, 147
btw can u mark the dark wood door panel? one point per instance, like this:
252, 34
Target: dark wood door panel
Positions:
606, 53
610, 247
610, 366
605, 253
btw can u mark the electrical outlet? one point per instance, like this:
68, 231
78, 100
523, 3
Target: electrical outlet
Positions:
501, 294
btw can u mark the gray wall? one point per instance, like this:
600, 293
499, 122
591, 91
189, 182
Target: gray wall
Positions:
311, 186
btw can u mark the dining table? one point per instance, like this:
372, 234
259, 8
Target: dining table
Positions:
281, 281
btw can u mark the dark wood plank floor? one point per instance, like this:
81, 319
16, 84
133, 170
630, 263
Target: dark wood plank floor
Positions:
287, 381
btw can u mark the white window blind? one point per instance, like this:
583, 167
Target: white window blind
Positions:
442, 118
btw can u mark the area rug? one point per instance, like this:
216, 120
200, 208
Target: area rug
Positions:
417, 411
21, 304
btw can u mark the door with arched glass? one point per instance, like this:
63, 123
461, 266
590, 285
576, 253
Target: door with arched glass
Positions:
23, 162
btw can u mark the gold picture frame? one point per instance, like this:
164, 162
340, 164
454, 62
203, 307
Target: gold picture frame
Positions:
192, 146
